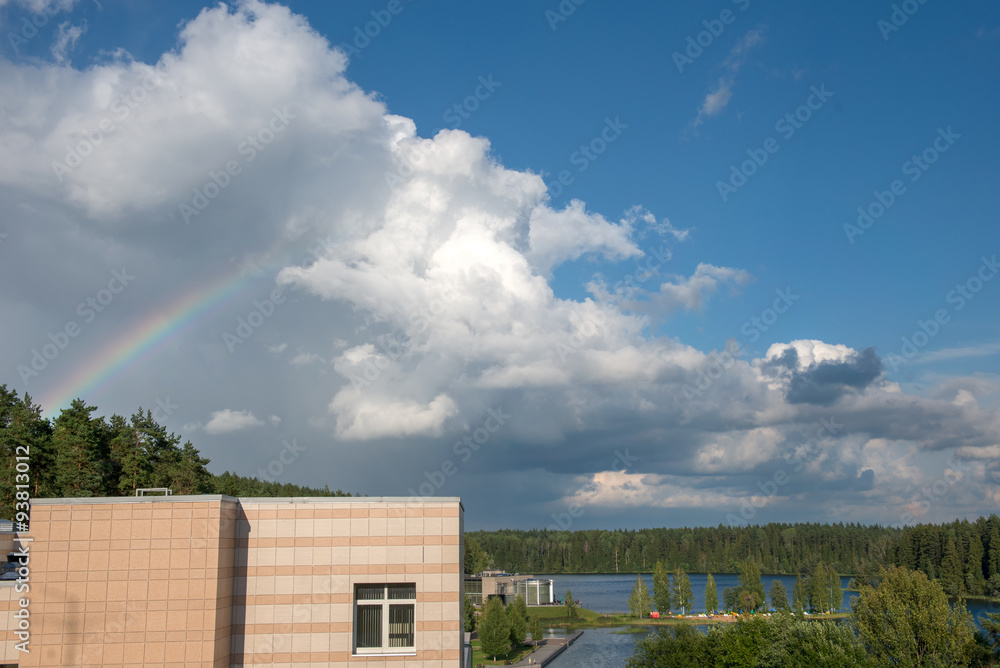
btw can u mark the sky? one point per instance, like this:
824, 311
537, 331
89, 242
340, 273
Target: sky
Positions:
585, 265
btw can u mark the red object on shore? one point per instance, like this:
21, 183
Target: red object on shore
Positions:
654, 614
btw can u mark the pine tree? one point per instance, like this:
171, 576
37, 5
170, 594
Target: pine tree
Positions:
951, 568
476, 559
751, 590
731, 599
470, 617
711, 599
779, 595
494, 629
25, 453
535, 629
993, 567
518, 622
661, 588
639, 603
681, 594
974, 580
836, 591
570, 605
188, 472
81, 458
819, 589
800, 595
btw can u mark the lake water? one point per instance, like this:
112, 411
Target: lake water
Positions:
609, 593
601, 648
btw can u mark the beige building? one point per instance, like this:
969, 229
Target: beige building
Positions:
219, 581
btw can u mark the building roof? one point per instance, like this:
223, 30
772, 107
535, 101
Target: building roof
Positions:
201, 498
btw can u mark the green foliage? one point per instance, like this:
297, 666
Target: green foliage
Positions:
800, 596
470, 617
81, 455
661, 587
570, 605
993, 565
476, 559
906, 621
991, 633
81, 452
796, 643
950, 574
836, 591
640, 603
23, 433
678, 646
517, 614
781, 641
681, 596
819, 590
778, 595
730, 599
494, 629
711, 599
535, 629
750, 594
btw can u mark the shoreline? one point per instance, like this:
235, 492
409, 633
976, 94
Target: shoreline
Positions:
598, 620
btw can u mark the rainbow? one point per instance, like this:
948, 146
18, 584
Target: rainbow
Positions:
146, 338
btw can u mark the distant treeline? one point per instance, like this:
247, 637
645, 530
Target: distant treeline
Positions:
79, 455
964, 556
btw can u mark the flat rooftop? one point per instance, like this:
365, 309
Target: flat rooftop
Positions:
399, 501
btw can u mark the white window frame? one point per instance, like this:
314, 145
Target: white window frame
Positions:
385, 602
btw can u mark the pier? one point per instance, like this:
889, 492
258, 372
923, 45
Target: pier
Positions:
548, 649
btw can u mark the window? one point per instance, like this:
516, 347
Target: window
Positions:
384, 619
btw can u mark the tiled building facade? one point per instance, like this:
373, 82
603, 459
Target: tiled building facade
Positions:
219, 581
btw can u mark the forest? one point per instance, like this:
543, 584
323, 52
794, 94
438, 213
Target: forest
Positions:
80, 455
963, 556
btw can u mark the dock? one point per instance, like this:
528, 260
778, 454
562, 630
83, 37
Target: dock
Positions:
548, 649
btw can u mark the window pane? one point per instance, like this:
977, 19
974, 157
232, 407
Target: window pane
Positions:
401, 625
403, 592
369, 626
371, 592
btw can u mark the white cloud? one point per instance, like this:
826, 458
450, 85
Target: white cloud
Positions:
557, 236
306, 359
718, 98
50, 7
227, 420
735, 452
810, 352
691, 293
618, 489
66, 38
370, 419
982, 350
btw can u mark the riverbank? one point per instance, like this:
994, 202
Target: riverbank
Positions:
555, 617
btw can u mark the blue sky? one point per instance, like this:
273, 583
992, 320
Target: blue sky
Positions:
525, 261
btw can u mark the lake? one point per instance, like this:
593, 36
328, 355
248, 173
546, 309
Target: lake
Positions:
600, 648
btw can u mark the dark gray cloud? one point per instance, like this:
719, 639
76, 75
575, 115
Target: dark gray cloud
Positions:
825, 382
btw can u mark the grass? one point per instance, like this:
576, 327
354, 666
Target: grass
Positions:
478, 659
552, 614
